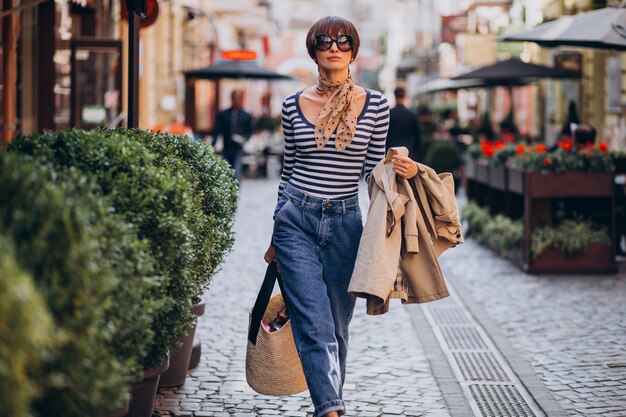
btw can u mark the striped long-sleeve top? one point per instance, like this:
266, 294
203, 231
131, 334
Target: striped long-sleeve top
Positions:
329, 173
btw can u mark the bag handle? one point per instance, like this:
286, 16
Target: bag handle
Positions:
262, 300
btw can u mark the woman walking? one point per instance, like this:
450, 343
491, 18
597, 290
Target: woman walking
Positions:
334, 133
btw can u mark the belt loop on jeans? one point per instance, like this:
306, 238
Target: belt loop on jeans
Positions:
303, 201
343, 207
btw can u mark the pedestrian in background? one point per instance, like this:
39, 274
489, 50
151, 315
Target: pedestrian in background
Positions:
334, 133
235, 126
403, 125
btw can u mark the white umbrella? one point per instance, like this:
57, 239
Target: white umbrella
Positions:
601, 29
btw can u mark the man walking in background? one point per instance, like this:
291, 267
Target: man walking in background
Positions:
235, 126
403, 125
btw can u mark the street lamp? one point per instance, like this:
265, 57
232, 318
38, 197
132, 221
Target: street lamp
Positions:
136, 9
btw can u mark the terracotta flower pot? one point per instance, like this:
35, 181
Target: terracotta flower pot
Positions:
179, 361
142, 393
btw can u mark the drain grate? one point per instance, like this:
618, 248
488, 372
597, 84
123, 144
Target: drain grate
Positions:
463, 338
479, 366
500, 400
449, 316
487, 380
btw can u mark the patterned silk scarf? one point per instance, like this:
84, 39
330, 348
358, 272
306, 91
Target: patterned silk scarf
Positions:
338, 114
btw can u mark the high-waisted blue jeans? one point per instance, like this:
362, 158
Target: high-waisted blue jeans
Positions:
316, 243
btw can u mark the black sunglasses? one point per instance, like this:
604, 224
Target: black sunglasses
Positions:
323, 42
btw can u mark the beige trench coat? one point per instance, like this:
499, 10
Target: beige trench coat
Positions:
409, 224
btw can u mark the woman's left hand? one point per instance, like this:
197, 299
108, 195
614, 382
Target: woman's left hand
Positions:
404, 166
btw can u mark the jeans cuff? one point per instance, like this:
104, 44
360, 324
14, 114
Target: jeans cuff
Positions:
327, 407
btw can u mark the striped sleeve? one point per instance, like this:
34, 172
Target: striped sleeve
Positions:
290, 145
376, 148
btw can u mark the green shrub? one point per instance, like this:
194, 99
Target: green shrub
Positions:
443, 156
501, 233
214, 196
55, 240
152, 199
476, 218
571, 236
25, 336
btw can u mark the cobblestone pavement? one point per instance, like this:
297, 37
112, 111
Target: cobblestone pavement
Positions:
388, 372
571, 329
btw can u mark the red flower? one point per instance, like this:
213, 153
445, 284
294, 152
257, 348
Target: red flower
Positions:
519, 149
547, 162
486, 148
589, 144
566, 145
603, 147
541, 148
499, 145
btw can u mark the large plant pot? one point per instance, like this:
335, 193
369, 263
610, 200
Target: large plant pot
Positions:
121, 411
196, 354
179, 358
596, 258
142, 393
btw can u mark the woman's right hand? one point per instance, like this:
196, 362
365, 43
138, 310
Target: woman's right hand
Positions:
270, 254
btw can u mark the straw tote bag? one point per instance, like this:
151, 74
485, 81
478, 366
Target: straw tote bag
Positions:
272, 363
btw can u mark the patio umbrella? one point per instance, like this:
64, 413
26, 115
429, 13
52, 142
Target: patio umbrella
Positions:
235, 69
601, 29
511, 71
447, 84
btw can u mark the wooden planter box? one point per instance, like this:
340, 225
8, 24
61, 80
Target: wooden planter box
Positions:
498, 177
482, 171
568, 184
538, 192
596, 258
470, 169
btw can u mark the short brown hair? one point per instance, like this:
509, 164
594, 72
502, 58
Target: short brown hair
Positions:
332, 25
399, 92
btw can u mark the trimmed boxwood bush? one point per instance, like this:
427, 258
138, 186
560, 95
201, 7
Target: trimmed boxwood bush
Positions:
151, 198
54, 232
214, 194
443, 156
25, 336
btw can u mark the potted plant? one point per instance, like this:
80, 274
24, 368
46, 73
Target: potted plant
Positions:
210, 220
151, 199
576, 243
56, 226
578, 174
567, 171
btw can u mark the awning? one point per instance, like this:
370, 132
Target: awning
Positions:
602, 29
